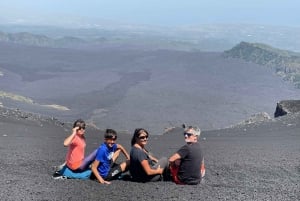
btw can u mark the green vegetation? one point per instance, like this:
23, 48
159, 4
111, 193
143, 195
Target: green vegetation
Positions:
285, 63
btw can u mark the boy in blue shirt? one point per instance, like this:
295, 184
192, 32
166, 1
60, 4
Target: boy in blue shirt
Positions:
104, 167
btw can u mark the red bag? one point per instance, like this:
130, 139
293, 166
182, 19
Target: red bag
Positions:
174, 172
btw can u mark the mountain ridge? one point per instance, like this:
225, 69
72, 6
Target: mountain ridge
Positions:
202, 37
285, 63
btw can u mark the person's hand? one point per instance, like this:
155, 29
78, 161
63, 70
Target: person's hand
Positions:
160, 170
177, 162
75, 129
105, 182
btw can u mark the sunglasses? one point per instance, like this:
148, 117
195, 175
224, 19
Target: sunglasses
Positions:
187, 134
111, 137
81, 128
143, 137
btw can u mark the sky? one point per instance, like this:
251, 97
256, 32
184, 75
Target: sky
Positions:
155, 12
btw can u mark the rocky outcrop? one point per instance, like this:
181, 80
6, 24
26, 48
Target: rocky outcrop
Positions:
287, 107
255, 118
18, 115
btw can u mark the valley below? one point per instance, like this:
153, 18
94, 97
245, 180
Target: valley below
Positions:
125, 88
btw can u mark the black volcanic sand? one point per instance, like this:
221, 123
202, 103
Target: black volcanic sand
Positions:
252, 162
126, 88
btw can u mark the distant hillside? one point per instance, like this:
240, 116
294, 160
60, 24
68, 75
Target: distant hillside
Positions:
116, 39
285, 63
26, 38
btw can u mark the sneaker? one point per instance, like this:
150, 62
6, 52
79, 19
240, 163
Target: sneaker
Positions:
59, 177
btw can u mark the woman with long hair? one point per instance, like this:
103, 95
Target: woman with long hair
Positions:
143, 166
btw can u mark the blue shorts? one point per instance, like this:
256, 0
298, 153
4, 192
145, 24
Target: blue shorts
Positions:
71, 174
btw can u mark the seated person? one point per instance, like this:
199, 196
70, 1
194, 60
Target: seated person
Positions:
143, 166
76, 165
187, 164
104, 167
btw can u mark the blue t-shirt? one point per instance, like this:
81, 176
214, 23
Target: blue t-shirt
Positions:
104, 156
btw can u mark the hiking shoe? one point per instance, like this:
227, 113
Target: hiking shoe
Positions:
59, 177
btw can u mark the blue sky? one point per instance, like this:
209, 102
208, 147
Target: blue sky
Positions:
156, 12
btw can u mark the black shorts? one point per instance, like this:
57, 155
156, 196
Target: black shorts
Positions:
114, 172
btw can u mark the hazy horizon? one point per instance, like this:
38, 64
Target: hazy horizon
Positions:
155, 13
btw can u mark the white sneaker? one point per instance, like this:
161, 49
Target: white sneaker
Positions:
59, 177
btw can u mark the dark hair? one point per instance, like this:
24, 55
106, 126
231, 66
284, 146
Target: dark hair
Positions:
79, 123
109, 133
136, 134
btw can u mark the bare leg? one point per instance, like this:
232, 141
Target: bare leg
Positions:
116, 155
124, 166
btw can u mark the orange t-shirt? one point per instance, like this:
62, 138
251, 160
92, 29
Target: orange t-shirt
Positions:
75, 153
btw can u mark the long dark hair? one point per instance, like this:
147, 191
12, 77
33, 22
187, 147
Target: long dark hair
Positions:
136, 134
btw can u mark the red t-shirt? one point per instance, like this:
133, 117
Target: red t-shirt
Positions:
75, 153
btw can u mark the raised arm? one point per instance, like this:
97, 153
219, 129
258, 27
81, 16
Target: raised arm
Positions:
69, 139
123, 150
